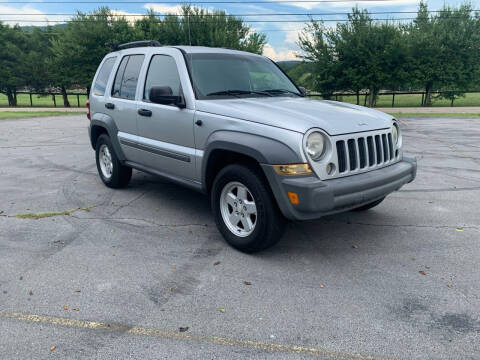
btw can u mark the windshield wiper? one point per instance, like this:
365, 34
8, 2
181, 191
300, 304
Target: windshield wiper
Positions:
239, 92
282, 91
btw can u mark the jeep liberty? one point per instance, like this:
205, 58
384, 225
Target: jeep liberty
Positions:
232, 125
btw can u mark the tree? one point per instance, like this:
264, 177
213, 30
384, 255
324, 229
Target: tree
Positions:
200, 27
316, 42
301, 74
458, 51
81, 46
444, 50
10, 61
359, 54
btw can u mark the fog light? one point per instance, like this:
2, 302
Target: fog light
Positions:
293, 169
330, 168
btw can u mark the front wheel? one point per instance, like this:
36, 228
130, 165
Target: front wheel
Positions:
245, 211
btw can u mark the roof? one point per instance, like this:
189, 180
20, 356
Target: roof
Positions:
138, 45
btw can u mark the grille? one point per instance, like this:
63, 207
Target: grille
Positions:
365, 151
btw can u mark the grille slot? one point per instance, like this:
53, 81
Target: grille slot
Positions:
371, 151
342, 156
385, 147
390, 145
378, 149
364, 152
352, 154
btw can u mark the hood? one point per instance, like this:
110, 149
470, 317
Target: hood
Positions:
299, 114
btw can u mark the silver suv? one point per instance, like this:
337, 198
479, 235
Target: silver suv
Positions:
232, 125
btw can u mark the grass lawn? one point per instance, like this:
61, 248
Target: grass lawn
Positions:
433, 115
45, 101
29, 114
414, 100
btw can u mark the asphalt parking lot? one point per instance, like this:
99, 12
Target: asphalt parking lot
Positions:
118, 278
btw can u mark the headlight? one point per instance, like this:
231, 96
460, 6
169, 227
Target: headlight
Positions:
395, 133
315, 145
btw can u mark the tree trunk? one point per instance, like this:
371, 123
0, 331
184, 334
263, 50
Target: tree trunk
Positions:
66, 103
428, 96
451, 103
358, 97
88, 91
372, 98
10, 97
15, 97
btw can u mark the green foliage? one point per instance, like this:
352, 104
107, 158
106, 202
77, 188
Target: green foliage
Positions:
69, 55
302, 74
81, 45
435, 52
444, 50
438, 52
199, 27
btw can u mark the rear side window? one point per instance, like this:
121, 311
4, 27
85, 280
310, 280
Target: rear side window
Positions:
162, 72
103, 75
126, 80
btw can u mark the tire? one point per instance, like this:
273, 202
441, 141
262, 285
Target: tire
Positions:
116, 175
370, 205
268, 222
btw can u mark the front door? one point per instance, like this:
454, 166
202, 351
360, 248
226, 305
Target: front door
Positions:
165, 132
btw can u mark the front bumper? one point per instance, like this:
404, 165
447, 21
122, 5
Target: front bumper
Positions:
318, 198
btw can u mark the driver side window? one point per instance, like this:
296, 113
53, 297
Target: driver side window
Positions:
162, 72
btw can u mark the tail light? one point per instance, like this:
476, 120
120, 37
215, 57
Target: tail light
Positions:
88, 110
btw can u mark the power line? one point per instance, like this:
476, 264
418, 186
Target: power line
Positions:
220, 15
212, 22
192, 3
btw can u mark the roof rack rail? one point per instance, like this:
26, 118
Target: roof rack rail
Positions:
133, 44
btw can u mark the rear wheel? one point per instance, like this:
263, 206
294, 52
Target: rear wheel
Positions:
370, 205
245, 211
111, 171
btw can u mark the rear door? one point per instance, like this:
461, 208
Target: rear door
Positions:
99, 87
165, 132
121, 103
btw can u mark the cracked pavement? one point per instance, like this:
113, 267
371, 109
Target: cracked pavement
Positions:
144, 257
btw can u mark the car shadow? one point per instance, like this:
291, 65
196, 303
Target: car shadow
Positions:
329, 235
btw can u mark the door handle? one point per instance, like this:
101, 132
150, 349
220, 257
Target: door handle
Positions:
144, 112
110, 106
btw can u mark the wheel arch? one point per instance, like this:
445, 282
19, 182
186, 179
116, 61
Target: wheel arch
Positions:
104, 124
229, 147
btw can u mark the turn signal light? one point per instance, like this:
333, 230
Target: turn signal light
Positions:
293, 169
293, 197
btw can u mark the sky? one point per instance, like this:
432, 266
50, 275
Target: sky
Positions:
281, 37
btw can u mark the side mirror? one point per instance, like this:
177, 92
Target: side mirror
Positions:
163, 95
303, 91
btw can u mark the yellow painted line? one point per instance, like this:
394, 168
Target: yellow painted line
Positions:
168, 334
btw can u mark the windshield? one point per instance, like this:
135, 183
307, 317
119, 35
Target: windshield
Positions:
232, 75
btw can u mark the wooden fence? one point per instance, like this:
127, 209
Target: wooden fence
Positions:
337, 96
365, 95
53, 96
